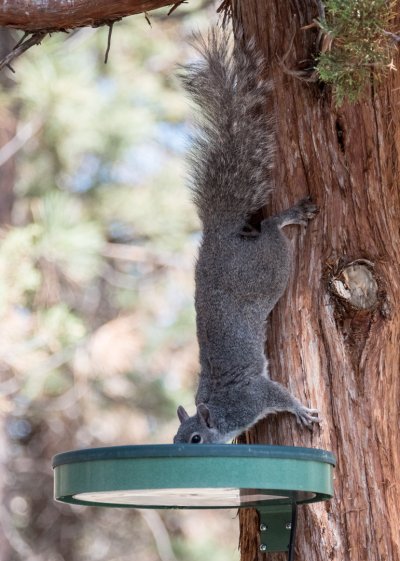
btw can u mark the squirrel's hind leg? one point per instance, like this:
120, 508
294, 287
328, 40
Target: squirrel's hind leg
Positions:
304, 211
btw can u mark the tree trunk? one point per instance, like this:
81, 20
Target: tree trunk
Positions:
333, 339
59, 15
8, 129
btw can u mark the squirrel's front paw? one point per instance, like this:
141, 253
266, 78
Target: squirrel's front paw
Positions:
307, 208
307, 417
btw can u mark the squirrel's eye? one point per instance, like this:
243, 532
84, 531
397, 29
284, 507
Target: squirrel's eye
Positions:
196, 439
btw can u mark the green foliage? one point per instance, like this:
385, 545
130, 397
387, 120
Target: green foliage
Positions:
60, 326
19, 277
67, 238
103, 166
58, 240
355, 45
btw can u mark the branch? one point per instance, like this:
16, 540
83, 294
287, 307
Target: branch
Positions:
23, 45
160, 534
174, 7
110, 30
137, 254
24, 134
59, 15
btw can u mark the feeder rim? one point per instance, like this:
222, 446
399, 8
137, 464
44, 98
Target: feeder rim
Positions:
193, 450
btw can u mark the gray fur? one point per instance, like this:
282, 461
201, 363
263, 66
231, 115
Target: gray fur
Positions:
239, 276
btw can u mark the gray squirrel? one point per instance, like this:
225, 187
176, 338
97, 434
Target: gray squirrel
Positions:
242, 269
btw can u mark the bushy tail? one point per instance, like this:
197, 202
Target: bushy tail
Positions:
233, 149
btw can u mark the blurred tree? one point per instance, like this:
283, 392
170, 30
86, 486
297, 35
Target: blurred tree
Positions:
7, 180
97, 341
8, 131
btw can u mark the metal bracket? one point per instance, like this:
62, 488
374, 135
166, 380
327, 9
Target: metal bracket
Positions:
278, 528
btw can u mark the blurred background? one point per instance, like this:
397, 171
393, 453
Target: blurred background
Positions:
98, 239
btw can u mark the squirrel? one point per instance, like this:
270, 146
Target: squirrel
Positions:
242, 270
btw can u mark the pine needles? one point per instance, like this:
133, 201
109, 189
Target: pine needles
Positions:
358, 41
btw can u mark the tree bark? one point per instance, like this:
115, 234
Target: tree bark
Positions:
333, 339
60, 15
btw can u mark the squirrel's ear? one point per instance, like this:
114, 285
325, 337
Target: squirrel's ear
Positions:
182, 414
204, 414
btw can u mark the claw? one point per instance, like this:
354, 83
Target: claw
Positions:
307, 417
309, 208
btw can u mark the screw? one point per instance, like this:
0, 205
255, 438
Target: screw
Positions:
263, 547
263, 527
288, 526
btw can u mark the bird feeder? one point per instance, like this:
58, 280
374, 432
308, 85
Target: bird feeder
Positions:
272, 479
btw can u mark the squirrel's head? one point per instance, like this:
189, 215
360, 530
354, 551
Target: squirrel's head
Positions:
198, 429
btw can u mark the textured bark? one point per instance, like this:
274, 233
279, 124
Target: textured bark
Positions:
334, 355
56, 15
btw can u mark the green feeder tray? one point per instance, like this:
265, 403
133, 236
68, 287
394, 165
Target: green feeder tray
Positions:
272, 479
